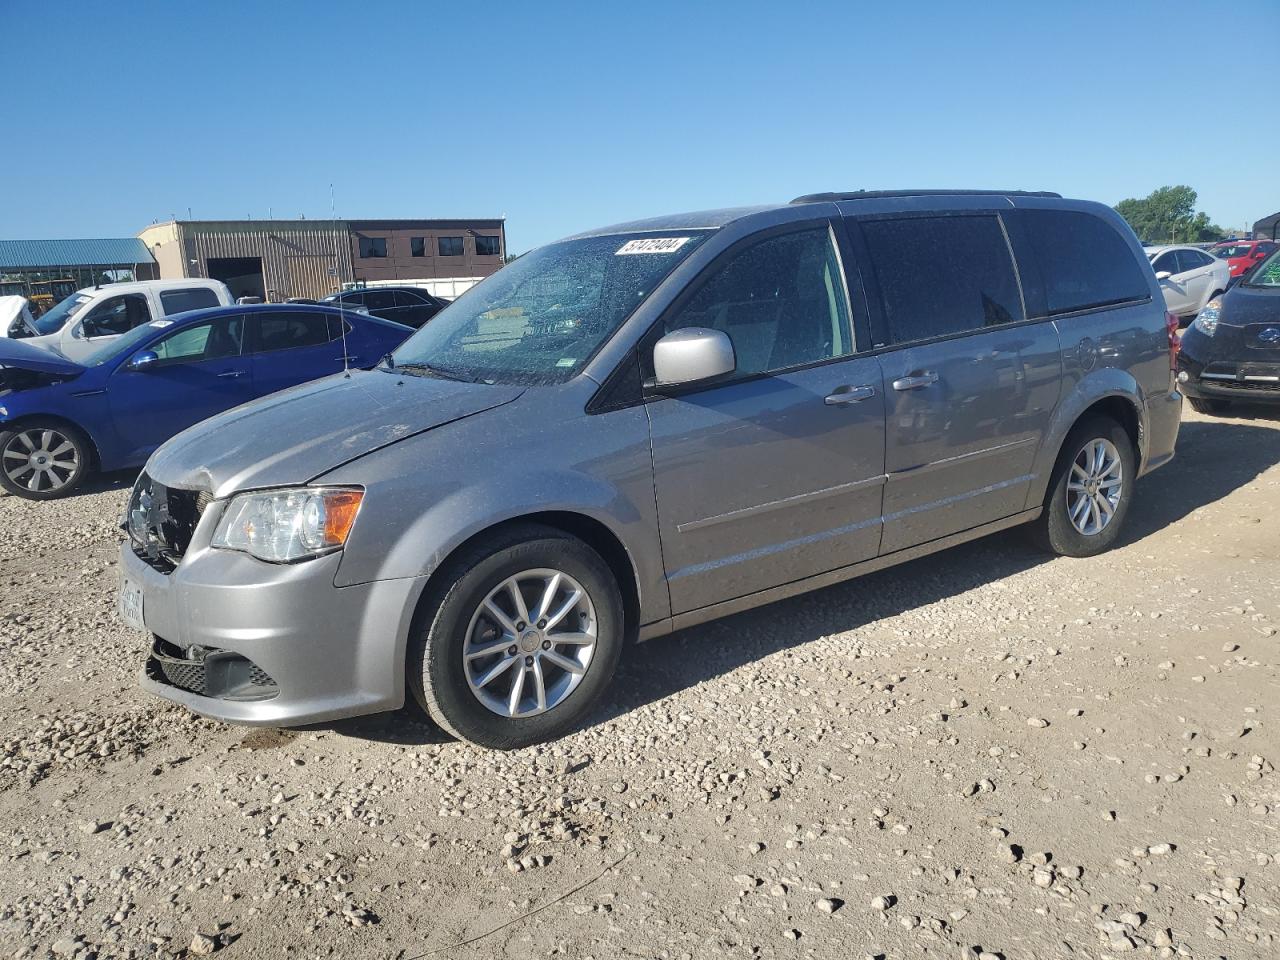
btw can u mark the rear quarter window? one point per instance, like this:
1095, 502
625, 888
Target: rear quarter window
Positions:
176, 301
1084, 262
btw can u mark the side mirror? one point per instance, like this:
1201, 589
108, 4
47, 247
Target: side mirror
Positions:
1163, 275
692, 354
142, 360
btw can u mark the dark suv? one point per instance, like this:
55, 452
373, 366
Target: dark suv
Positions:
411, 306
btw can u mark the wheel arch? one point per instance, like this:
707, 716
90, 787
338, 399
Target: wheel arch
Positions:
589, 530
1115, 394
18, 422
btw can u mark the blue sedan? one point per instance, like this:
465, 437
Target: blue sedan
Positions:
60, 420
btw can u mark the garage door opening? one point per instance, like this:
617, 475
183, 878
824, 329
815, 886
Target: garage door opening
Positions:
242, 274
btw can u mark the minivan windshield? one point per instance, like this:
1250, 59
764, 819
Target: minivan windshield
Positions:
57, 318
540, 318
1265, 274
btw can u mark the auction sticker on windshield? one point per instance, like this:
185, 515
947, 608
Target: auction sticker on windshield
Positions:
653, 245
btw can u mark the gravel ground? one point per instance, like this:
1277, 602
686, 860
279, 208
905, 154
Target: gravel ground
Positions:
983, 753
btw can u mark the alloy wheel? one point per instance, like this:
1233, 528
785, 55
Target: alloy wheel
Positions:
42, 460
1095, 486
529, 643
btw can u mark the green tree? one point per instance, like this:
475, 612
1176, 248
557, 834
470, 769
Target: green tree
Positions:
1169, 215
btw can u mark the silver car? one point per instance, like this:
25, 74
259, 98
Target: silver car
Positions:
642, 428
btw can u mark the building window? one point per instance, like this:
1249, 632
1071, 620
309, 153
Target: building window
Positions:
373, 247
486, 246
418, 246
450, 246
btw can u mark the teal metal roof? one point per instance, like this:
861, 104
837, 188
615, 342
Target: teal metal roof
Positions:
31, 254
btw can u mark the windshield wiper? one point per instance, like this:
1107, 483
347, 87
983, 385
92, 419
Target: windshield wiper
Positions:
433, 372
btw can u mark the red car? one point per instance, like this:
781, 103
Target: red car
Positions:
1243, 254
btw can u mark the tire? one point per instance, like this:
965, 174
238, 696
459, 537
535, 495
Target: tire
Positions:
1200, 405
1055, 530
458, 618
52, 455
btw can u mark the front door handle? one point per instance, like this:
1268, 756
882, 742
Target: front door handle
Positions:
849, 394
231, 374
346, 359
916, 381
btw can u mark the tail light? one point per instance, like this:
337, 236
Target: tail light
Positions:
1175, 341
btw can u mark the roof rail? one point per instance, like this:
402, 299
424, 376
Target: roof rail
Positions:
883, 194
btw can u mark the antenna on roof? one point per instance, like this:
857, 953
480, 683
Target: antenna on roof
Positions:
342, 316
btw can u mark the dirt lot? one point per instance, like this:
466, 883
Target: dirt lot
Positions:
984, 751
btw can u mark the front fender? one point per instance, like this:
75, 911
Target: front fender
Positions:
1095, 386
426, 496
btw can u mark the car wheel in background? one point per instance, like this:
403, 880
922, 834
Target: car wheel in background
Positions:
43, 459
519, 640
1200, 405
1090, 490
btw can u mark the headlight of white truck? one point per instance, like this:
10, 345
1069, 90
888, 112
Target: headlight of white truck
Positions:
284, 526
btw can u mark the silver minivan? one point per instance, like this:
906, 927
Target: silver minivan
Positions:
642, 428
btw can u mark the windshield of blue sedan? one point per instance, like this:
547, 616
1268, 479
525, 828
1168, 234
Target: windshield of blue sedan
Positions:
125, 343
56, 318
540, 318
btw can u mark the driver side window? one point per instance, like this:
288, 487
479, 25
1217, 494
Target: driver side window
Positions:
781, 301
116, 315
215, 340
1167, 262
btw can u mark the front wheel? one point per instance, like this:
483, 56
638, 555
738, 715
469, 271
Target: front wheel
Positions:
43, 459
1090, 491
520, 640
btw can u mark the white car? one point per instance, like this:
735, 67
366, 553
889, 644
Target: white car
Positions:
1189, 277
88, 318
15, 317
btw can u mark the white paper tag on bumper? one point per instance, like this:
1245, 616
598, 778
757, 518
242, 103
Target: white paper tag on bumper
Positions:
653, 245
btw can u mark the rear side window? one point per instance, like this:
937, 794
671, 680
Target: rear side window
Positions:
1083, 261
943, 275
1193, 260
288, 331
379, 299
407, 298
176, 301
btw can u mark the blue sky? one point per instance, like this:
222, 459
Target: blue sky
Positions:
568, 116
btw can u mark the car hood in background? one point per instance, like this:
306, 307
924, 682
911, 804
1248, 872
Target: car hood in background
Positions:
1243, 305
24, 355
294, 436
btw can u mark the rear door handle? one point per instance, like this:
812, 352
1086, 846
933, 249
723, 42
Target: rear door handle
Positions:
849, 394
231, 374
346, 359
915, 381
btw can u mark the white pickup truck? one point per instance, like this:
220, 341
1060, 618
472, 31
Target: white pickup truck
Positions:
82, 322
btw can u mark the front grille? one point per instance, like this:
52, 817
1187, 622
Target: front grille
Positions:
209, 672
160, 522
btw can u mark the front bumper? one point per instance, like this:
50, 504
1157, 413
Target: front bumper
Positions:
329, 652
1248, 382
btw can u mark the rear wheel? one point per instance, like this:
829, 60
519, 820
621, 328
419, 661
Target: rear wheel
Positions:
1200, 405
520, 640
1090, 492
44, 459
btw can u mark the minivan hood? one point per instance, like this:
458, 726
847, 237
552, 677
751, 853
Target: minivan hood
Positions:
296, 435
22, 355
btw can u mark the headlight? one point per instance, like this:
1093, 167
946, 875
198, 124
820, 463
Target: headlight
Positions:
1206, 320
282, 526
